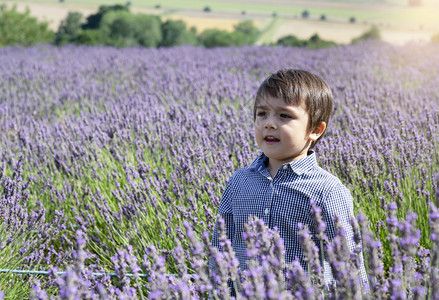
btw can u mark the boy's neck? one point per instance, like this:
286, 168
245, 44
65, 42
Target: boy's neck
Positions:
272, 172
274, 165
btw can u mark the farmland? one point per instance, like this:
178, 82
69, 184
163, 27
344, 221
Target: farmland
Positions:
115, 158
398, 22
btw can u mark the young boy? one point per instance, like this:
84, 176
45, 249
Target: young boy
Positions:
291, 112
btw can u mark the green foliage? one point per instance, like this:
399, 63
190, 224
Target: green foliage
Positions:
94, 21
124, 29
291, 40
116, 26
147, 30
21, 28
372, 33
216, 38
175, 33
69, 28
91, 37
435, 38
305, 14
249, 32
245, 33
315, 42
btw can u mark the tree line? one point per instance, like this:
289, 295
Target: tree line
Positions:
115, 25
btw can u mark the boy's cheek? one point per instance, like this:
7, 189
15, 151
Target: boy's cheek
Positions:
258, 137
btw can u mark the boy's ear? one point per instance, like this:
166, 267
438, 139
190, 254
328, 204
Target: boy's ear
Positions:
317, 131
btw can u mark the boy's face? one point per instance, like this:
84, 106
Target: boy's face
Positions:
281, 130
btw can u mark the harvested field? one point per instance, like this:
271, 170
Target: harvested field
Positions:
202, 24
344, 33
52, 13
336, 28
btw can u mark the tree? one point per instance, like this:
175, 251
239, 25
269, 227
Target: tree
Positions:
290, 40
147, 30
69, 28
124, 29
372, 33
216, 38
116, 26
21, 28
175, 33
315, 38
94, 21
315, 42
91, 37
245, 33
249, 32
305, 14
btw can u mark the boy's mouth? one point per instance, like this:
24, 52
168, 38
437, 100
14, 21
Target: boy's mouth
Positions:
269, 139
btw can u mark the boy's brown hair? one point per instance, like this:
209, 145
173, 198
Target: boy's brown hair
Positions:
298, 87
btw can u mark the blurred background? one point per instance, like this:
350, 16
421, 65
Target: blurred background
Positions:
210, 23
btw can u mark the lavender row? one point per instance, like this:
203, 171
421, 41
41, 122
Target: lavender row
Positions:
125, 145
267, 276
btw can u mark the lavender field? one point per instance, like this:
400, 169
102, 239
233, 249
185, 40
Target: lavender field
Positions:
113, 162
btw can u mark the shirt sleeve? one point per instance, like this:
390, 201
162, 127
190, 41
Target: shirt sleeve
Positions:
339, 203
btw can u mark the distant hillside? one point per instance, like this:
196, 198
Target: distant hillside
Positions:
339, 21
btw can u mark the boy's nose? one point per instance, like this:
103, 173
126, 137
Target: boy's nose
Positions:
270, 123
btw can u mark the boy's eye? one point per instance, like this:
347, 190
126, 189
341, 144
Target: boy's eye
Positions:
285, 116
261, 114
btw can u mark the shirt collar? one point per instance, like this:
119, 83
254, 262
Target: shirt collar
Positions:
298, 166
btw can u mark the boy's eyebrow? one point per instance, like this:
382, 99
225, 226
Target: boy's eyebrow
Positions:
280, 109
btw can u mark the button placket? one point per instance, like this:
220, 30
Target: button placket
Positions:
268, 205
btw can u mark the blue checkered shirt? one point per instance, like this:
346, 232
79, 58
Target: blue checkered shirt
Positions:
284, 202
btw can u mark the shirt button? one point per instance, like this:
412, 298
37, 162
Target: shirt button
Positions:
266, 211
285, 167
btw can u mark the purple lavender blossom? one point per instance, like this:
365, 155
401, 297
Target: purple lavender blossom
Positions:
127, 144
